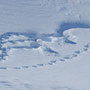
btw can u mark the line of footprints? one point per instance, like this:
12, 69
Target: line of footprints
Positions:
52, 62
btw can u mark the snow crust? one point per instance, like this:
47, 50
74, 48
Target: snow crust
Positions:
44, 45
54, 64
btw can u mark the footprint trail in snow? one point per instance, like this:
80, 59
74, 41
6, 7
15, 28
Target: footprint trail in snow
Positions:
36, 46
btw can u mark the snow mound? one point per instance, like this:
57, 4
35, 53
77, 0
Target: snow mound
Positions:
27, 50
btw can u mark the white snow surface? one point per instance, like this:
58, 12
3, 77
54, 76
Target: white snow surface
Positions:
33, 53
42, 16
53, 65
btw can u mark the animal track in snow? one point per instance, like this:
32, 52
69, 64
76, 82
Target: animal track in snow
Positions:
50, 45
74, 55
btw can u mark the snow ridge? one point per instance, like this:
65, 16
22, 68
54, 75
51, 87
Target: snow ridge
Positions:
50, 45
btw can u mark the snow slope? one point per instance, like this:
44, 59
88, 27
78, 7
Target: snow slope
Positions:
44, 45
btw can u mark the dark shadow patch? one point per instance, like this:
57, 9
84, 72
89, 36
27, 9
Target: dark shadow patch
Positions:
3, 68
78, 52
25, 66
53, 61
34, 66
68, 25
40, 64
68, 41
50, 50
66, 57
16, 68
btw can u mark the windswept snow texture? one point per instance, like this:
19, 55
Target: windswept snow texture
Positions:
44, 45
42, 16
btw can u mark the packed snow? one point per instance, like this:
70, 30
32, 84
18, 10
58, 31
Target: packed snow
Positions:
44, 45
